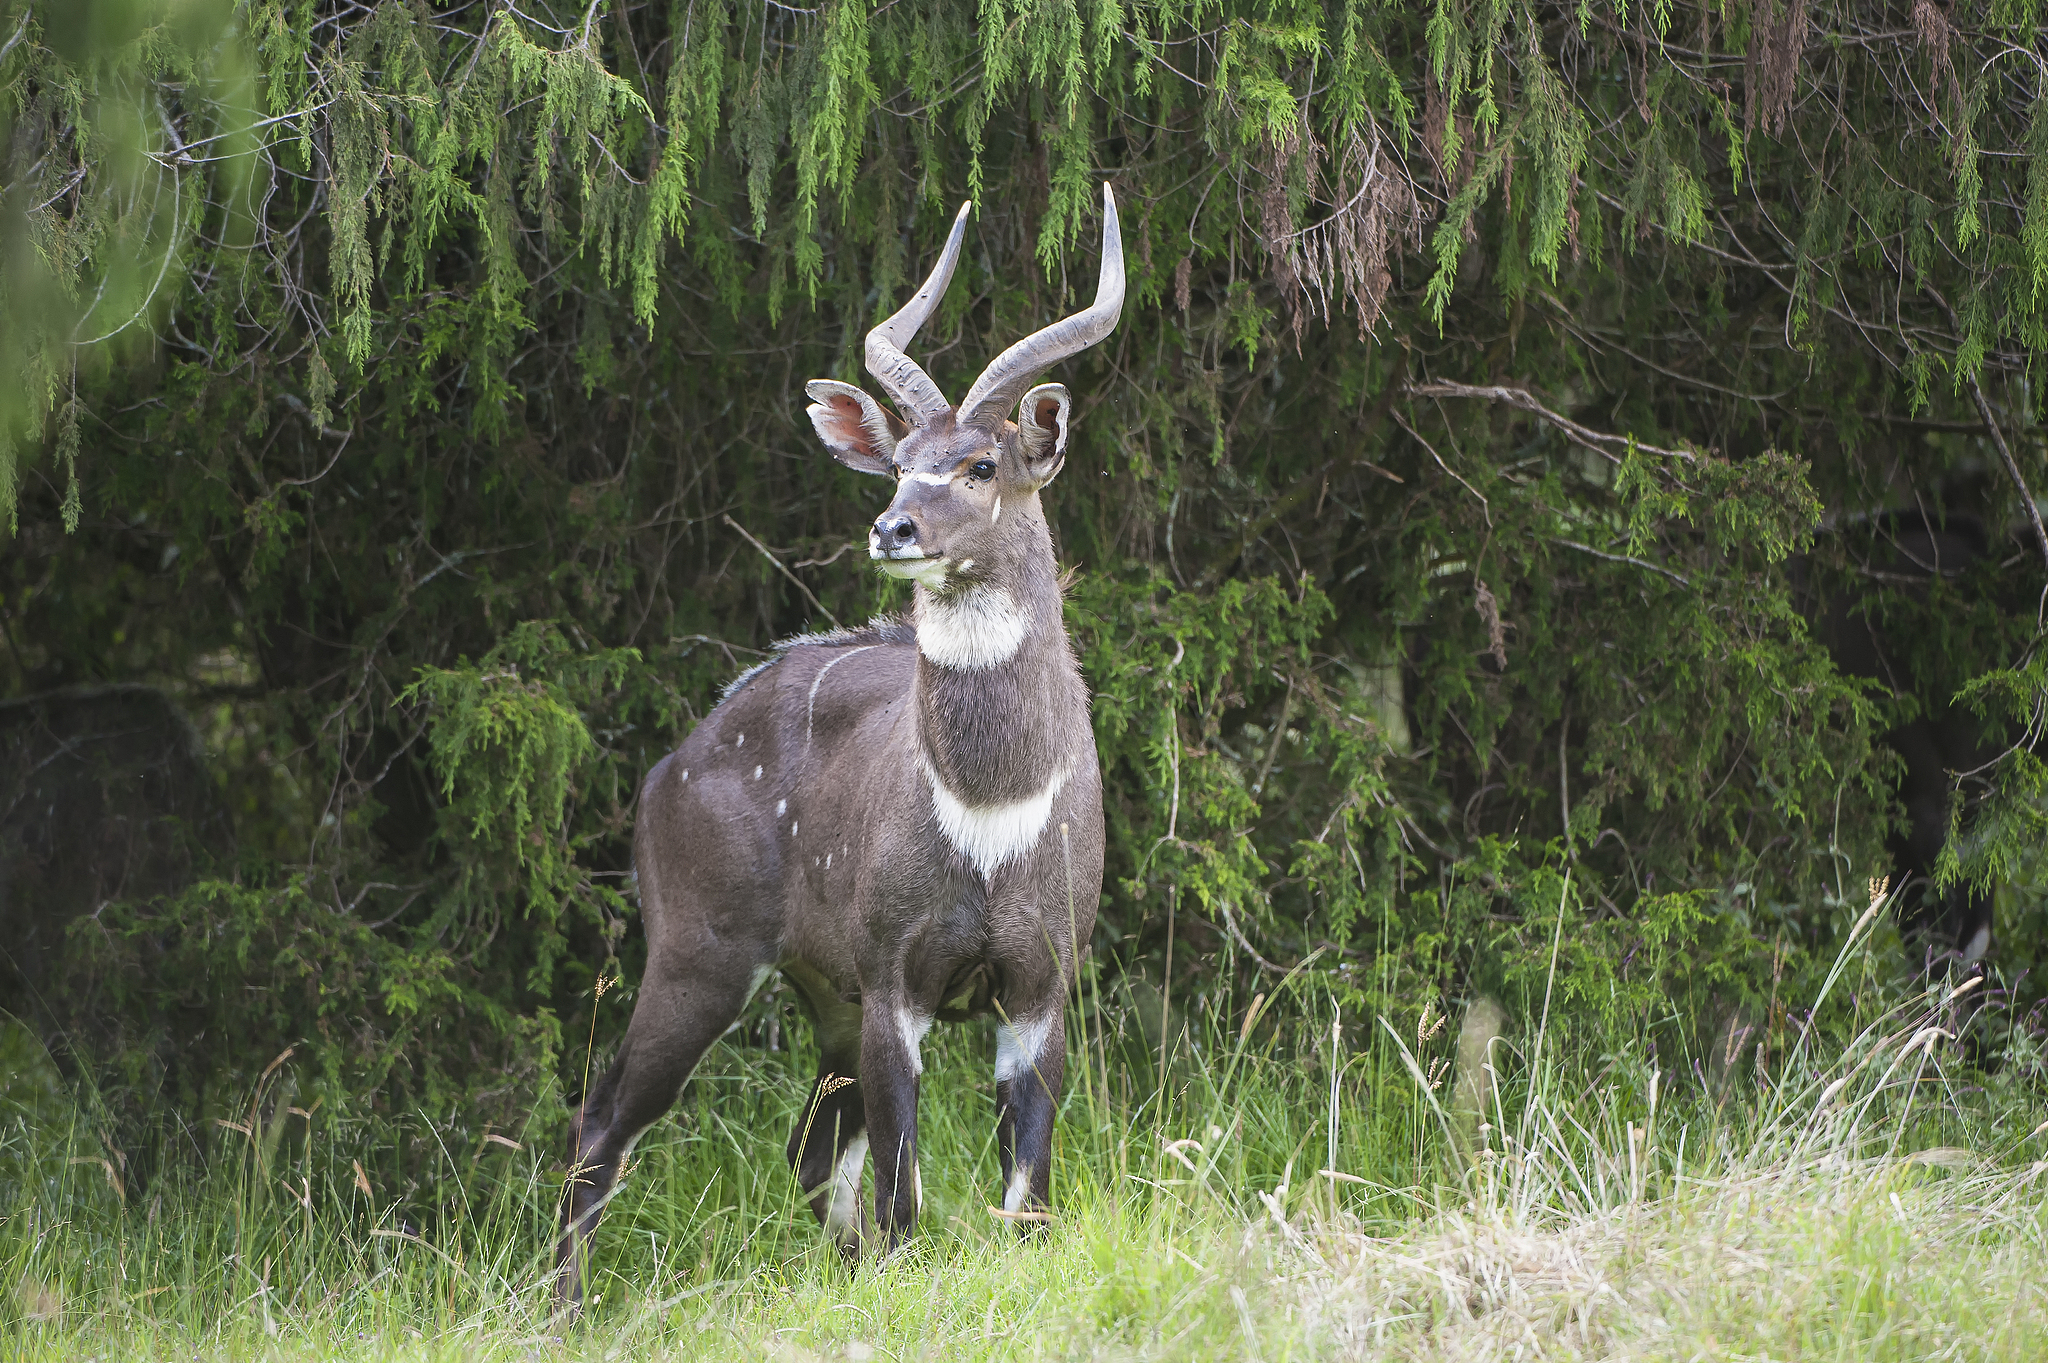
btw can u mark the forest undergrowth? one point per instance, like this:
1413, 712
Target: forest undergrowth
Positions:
1278, 1182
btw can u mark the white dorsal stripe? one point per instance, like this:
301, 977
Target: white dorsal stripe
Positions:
991, 836
982, 627
811, 702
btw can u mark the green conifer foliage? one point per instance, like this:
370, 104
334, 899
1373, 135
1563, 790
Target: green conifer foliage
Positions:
412, 388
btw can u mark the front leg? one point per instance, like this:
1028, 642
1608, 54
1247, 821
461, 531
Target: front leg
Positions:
890, 1035
1031, 1064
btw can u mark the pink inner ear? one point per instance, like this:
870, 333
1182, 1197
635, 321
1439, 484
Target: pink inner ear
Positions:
846, 418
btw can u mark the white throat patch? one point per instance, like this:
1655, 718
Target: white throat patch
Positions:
982, 627
991, 836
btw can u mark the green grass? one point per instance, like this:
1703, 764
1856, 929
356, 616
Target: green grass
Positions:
1608, 1209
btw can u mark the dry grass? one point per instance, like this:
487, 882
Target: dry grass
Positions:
1885, 1258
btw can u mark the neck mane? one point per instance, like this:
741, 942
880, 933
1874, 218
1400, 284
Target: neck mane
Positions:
1002, 715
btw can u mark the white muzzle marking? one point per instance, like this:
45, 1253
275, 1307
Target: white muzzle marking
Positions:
929, 573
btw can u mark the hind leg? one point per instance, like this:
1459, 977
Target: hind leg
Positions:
682, 1009
829, 1145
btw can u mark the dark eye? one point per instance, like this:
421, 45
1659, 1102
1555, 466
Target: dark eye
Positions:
983, 469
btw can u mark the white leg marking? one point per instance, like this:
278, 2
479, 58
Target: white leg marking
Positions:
983, 627
912, 1028
1019, 1044
626, 1155
1980, 942
991, 835
811, 705
842, 1213
1019, 1189
917, 1185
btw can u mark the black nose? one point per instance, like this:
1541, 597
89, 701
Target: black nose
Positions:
895, 531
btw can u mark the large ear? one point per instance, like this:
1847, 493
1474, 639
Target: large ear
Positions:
859, 431
1042, 430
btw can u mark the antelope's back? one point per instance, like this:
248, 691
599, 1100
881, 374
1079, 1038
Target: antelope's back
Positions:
806, 734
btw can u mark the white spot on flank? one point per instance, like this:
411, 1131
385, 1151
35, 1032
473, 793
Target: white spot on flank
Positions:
828, 861
842, 1212
792, 828
1019, 1189
981, 627
686, 773
912, 1028
742, 742
782, 806
1019, 1044
757, 773
1980, 942
990, 836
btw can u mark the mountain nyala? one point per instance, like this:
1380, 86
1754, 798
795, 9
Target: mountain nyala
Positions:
905, 820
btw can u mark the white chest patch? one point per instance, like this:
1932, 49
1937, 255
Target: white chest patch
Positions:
991, 836
982, 627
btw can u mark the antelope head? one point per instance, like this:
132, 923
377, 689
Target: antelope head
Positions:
962, 471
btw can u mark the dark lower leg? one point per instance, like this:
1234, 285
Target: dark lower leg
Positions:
1024, 1135
888, 1070
827, 1149
675, 1020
